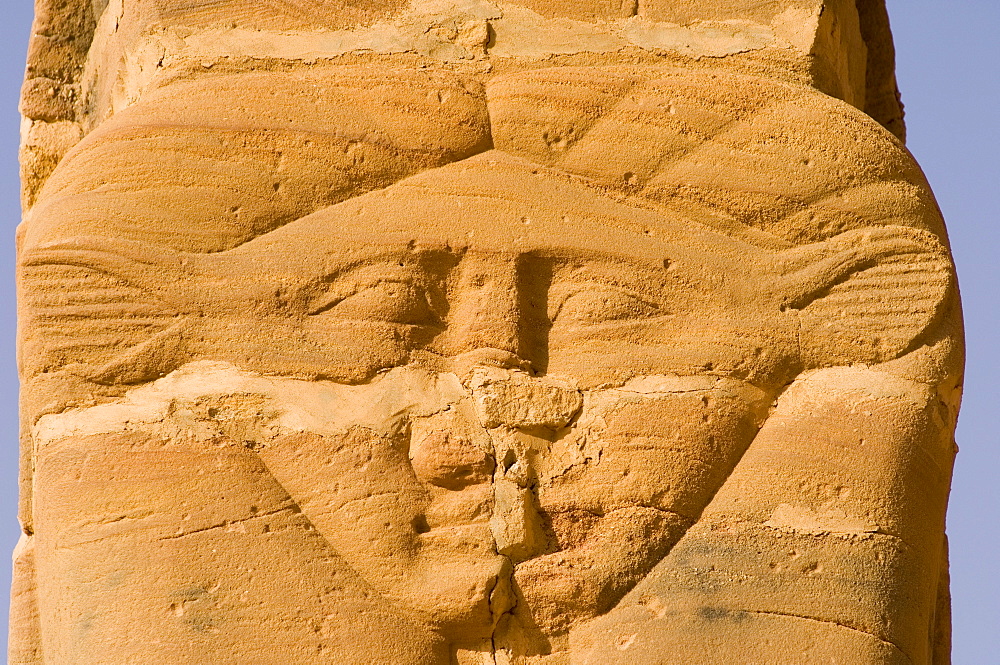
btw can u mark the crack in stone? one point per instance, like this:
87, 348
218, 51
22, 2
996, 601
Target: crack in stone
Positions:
831, 622
497, 618
228, 523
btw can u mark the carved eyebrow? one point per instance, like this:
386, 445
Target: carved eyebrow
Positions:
643, 281
565, 291
423, 269
366, 272
330, 299
406, 258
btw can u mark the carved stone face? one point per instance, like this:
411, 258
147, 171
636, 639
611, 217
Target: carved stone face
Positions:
540, 413
481, 402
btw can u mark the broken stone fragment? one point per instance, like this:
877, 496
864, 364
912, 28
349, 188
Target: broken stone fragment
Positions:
516, 400
516, 524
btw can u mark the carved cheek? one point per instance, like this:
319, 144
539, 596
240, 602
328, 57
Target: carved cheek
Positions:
669, 451
355, 487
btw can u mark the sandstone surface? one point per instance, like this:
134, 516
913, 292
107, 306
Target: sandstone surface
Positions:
472, 332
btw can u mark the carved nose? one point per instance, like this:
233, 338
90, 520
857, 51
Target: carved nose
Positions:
487, 322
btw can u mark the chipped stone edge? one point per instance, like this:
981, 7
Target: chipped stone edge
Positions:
294, 405
450, 31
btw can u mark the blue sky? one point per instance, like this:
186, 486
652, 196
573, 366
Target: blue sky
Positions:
948, 64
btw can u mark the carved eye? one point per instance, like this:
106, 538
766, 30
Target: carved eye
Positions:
599, 304
388, 301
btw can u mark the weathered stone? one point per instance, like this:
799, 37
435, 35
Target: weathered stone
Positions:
459, 331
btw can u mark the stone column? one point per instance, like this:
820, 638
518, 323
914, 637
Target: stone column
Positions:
458, 332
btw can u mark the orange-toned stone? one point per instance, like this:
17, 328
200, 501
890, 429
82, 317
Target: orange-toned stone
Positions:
478, 332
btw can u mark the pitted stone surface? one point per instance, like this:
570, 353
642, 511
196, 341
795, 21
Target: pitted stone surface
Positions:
466, 332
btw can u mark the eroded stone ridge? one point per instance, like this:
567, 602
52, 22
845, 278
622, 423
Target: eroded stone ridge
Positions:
468, 333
